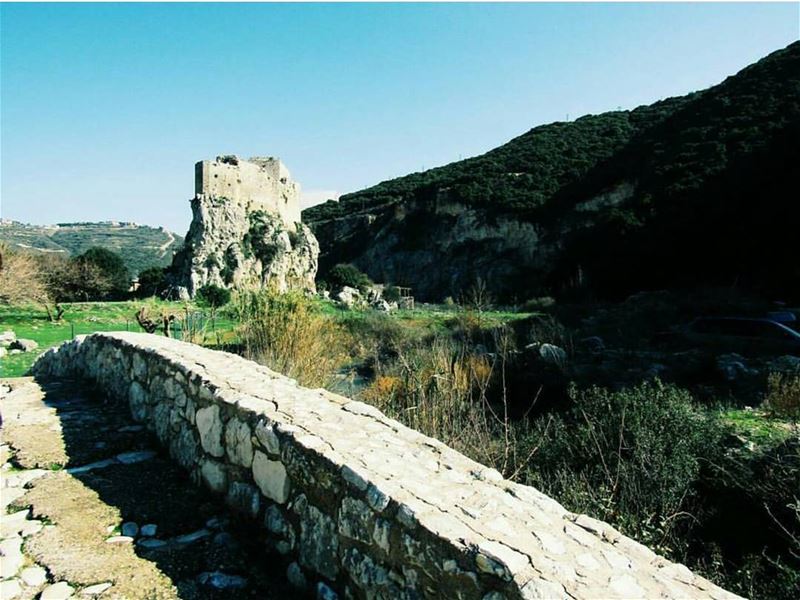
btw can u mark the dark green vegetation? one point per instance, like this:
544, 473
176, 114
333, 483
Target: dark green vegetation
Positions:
696, 189
675, 475
139, 246
522, 175
347, 275
152, 282
391, 293
213, 297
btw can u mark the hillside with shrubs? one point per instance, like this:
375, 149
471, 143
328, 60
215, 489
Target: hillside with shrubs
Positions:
698, 188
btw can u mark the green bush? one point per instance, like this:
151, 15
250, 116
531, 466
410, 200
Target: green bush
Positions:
259, 241
391, 293
212, 296
632, 457
111, 266
348, 275
152, 282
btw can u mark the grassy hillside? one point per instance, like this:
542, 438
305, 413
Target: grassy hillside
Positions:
695, 189
139, 246
523, 174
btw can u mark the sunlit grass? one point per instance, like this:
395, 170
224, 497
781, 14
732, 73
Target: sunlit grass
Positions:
31, 322
755, 425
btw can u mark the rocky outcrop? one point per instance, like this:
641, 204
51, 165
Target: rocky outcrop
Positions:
245, 238
438, 249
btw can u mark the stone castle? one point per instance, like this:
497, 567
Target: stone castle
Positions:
246, 229
259, 182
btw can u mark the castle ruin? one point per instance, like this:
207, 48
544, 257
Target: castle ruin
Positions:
261, 183
246, 229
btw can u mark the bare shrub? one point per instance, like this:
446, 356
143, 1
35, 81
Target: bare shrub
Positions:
21, 278
441, 386
478, 296
783, 396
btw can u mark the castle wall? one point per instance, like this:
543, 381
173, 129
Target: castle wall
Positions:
356, 504
260, 183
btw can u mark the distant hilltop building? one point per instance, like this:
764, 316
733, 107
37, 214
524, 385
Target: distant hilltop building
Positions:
261, 182
246, 229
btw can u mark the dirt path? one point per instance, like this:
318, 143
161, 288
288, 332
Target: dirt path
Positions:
163, 247
91, 508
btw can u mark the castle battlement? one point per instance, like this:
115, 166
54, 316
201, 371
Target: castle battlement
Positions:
259, 183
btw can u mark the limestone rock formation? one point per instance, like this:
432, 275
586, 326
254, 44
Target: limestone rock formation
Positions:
245, 229
438, 248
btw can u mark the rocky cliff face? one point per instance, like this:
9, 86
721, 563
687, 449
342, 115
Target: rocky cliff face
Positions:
239, 242
440, 250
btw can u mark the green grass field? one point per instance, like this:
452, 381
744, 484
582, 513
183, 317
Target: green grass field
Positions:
31, 322
756, 426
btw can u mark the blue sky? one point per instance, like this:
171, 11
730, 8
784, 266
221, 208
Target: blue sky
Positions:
106, 107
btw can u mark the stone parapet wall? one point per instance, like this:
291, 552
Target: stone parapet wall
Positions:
355, 502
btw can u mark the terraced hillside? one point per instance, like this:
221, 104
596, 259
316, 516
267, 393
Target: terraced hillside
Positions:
140, 246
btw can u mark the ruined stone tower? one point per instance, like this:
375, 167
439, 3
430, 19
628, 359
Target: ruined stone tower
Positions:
263, 183
246, 229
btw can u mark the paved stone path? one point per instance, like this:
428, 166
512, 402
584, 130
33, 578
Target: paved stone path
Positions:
90, 508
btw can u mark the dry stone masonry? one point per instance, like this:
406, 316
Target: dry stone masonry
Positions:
246, 229
261, 183
357, 504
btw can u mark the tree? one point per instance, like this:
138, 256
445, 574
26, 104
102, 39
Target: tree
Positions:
345, 274
112, 266
21, 278
152, 282
74, 280
213, 297
391, 293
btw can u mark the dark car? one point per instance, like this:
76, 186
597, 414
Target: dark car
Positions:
743, 335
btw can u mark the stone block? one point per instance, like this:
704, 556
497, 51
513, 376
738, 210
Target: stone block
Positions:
209, 424
271, 477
